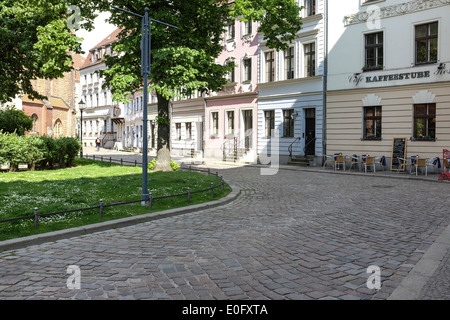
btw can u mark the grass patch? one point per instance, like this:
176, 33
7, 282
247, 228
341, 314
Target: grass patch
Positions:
83, 186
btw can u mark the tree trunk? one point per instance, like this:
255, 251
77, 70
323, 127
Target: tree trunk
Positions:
163, 146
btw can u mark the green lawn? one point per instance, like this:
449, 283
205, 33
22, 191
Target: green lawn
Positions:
83, 186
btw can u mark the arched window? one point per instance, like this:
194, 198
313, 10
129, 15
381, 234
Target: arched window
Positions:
34, 118
57, 128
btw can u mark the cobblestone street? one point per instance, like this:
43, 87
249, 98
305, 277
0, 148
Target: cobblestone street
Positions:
294, 235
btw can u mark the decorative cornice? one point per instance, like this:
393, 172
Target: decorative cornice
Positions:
393, 11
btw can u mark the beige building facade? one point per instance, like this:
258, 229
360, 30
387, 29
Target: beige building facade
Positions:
389, 77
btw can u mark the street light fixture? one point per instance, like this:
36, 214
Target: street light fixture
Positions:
145, 71
81, 107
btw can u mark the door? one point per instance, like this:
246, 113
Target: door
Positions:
310, 131
248, 128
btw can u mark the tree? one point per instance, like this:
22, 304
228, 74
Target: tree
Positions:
183, 59
14, 121
36, 42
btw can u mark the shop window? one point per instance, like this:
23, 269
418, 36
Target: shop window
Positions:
425, 122
372, 123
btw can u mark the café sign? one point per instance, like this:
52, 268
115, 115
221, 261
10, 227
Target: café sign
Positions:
358, 78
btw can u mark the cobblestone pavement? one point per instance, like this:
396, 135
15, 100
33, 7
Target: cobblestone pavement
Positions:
295, 235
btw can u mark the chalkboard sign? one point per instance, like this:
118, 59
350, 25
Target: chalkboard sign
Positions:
398, 151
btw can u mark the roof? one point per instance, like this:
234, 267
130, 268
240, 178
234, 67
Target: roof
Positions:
111, 38
53, 102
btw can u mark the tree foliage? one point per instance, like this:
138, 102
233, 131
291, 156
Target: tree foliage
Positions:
35, 42
15, 121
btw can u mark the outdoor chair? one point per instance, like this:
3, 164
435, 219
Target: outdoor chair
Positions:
380, 161
370, 161
339, 162
328, 159
421, 163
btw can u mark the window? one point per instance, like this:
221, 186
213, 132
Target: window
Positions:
310, 7
310, 59
57, 128
372, 123
270, 66
288, 123
214, 123
374, 51
247, 69
230, 122
188, 130
426, 43
247, 28
270, 122
231, 30
34, 118
425, 121
289, 63
230, 75
178, 130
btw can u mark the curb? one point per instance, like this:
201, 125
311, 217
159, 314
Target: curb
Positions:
118, 223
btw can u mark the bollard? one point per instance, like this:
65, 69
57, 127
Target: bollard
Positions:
135, 163
121, 161
36, 217
150, 201
101, 208
212, 189
222, 183
93, 157
188, 194
101, 158
110, 159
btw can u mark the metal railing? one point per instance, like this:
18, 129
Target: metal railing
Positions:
36, 215
290, 147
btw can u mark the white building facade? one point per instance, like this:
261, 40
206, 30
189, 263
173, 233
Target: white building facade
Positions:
389, 77
101, 117
290, 83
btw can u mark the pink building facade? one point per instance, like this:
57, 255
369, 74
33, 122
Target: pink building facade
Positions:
230, 131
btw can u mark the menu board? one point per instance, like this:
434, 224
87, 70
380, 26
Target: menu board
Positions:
398, 151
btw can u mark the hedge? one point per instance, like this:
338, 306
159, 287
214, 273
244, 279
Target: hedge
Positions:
37, 151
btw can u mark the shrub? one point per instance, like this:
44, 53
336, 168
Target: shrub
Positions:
175, 166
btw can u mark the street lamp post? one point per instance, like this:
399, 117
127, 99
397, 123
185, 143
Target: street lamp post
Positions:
81, 106
145, 71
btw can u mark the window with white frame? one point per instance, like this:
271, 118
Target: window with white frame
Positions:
247, 64
231, 30
310, 59
188, 130
269, 64
269, 117
289, 63
214, 123
230, 76
247, 28
230, 122
310, 6
178, 131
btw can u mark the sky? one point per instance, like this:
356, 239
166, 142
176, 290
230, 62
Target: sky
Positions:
101, 31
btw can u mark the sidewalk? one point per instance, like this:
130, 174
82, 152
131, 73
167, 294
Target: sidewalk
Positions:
133, 156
